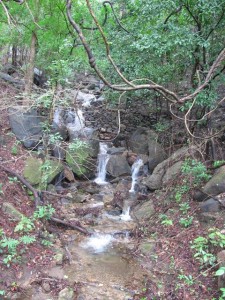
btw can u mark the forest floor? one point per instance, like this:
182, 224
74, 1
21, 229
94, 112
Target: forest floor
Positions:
179, 275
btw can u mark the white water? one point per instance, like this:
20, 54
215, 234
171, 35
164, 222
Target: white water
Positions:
76, 127
103, 158
125, 216
98, 242
135, 170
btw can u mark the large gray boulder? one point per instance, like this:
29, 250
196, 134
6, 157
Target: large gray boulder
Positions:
118, 166
169, 169
156, 154
139, 140
215, 186
26, 124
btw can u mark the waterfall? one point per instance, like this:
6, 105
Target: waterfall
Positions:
76, 127
125, 216
135, 170
103, 158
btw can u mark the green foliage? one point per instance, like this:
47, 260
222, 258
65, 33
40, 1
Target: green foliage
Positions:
196, 170
44, 212
205, 246
184, 207
77, 156
218, 163
186, 222
165, 220
25, 225
8, 246
27, 239
187, 279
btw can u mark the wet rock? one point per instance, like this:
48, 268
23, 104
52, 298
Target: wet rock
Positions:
210, 205
118, 166
66, 294
144, 210
9, 209
76, 198
26, 124
115, 151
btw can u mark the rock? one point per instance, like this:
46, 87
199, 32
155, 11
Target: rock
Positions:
26, 125
80, 160
221, 261
144, 210
208, 218
168, 169
172, 173
41, 173
199, 196
107, 198
147, 247
46, 287
115, 151
76, 198
156, 154
210, 205
9, 209
66, 294
216, 185
139, 140
118, 166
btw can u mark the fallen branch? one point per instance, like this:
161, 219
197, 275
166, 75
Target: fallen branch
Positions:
38, 201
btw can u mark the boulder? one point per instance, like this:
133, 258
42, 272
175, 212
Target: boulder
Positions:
118, 166
143, 211
79, 158
156, 154
216, 185
41, 173
26, 125
9, 209
139, 140
168, 169
210, 205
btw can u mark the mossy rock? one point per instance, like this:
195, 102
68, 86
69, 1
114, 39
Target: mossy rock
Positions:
80, 160
39, 172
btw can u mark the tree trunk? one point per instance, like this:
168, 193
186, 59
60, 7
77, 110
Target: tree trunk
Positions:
30, 68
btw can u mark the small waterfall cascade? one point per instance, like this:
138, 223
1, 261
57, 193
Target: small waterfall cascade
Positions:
135, 170
77, 124
125, 216
103, 158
